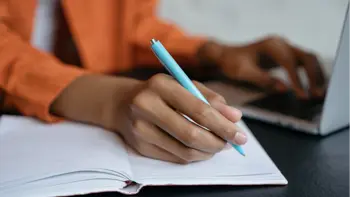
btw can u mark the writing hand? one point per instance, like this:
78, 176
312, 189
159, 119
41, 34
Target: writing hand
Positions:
154, 128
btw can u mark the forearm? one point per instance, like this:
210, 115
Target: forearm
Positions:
90, 97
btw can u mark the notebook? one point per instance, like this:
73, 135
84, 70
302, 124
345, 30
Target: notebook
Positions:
69, 158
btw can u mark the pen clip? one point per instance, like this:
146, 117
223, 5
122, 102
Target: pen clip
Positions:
153, 42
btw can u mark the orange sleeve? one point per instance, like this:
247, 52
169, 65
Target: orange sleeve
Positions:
31, 79
147, 26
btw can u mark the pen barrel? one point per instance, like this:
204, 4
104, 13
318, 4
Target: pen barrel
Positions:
175, 70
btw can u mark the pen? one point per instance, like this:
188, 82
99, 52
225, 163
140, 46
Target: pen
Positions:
175, 70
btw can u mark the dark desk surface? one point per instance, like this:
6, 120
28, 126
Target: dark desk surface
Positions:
314, 166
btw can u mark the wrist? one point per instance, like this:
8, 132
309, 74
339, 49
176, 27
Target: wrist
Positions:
89, 98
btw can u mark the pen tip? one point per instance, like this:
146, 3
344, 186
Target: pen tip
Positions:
153, 41
240, 150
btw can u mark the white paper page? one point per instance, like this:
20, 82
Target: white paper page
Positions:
31, 150
226, 164
68, 189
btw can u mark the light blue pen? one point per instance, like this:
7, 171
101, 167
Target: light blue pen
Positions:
175, 70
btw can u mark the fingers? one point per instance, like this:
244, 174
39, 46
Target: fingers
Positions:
314, 71
280, 51
209, 94
219, 103
296, 84
146, 149
153, 135
287, 56
154, 152
179, 98
150, 107
248, 71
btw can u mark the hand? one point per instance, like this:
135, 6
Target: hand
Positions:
146, 115
149, 121
242, 63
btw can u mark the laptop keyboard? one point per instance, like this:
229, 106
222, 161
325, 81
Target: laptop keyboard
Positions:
288, 104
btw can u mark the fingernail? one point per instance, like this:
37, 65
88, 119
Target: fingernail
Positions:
240, 138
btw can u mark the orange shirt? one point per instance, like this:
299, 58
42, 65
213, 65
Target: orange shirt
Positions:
111, 36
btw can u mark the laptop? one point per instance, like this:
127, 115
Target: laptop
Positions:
319, 117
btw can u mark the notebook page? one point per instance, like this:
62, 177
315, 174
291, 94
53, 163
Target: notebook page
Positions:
32, 150
68, 189
226, 164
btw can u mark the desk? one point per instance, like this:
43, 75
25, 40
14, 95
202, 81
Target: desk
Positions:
315, 167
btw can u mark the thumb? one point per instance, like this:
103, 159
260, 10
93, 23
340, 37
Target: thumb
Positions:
218, 102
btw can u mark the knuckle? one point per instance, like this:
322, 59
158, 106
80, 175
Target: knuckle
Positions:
197, 83
190, 154
146, 102
140, 149
191, 136
157, 81
279, 49
229, 133
137, 126
276, 40
203, 110
139, 100
137, 123
217, 98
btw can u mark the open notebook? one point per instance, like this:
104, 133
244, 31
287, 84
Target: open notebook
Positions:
69, 158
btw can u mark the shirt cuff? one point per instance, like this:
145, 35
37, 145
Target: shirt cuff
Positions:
36, 89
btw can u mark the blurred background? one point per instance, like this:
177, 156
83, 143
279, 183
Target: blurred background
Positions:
311, 24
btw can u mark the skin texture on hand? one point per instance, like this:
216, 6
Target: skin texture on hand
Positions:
243, 63
147, 115
90, 97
